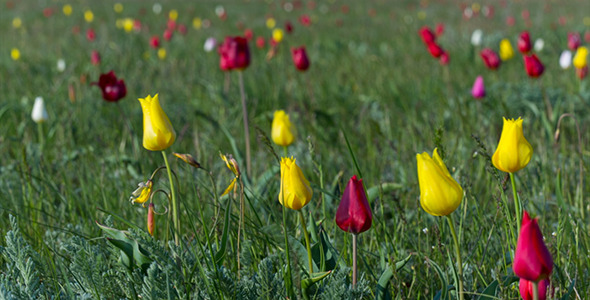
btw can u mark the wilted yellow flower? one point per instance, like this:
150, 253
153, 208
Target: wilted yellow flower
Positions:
15, 54
197, 23
128, 24
271, 23
440, 194
17, 22
514, 152
162, 53
295, 191
232, 165
506, 50
189, 159
118, 8
67, 9
158, 133
281, 131
142, 193
277, 35
581, 58
173, 14
88, 16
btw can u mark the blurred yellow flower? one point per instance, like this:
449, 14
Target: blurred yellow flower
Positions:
506, 50
118, 7
119, 23
281, 131
88, 16
67, 9
17, 22
277, 35
162, 53
514, 152
586, 21
475, 7
197, 23
128, 24
271, 23
581, 58
173, 14
158, 133
142, 193
15, 54
440, 194
295, 191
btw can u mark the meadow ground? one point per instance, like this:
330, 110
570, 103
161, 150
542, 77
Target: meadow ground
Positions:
371, 100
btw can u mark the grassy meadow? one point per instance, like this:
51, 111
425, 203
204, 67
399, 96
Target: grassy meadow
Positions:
371, 100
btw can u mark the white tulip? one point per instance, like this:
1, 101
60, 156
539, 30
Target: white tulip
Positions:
539, 44
476, 37
565, 59
210, 44
61, 65
39, 113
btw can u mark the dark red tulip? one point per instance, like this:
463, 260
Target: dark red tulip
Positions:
533, 66
260, 42
526, 289
435, 50
300, 58
95, 57
155, 42
439, 29
427, 35
234, 53
573, 40
112, 89
444, 58
490, 58
532, 260
248, 34
288, 27
524, 42
90, 35
167, 34
305, 20
354, 213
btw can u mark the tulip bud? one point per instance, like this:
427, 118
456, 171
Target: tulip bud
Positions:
478, 90
158, 133
440, 194
533, 66
506, 50
151, 223
524, 42
354, 212
295, 191
282, 133
580, 59
565, 59
490, 58
39, 114
189, 159
300, 58
532, 260
514, 152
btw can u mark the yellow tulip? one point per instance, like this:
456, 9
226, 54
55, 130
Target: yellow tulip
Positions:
197, 23
17, 22
15, 54
277, 35
118, 8
143, 192
128, 24
173, 14
581, 58
162, 53
88, 16
440, 194
158, 133
67, 9
270, 23
295, 191
506, 50
514, 151
282, 134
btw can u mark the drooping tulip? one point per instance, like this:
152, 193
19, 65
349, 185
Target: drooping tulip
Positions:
158, 133
39, 113
113, 89
490, 58
533, 66
514, 152
506, 50
295, 191
526, 289
565, 59
300, 59
524, 42
573, 40
478, 90
440, 194
282, 132
427, 35
354, 212
532, 260
581, 58
234, 53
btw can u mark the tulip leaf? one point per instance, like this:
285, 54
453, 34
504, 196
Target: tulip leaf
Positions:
308, 282
383, 281
132, 255
570, 289
386, 187
220, 255
299, 248
323, 252
443, 293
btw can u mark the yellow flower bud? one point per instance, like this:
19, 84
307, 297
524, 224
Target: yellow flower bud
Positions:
282, 134
440, 194
15, 54
295, 191
158, 133
270, 23
581, 58
514, 151
506, 50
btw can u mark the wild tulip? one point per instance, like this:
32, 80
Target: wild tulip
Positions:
573, 40
113, 89
155, 42
158, 133
260, 42
533, 66
282, 134
476, 37
581, 58
288, 27
182, 29
478, 90
210, 44
539, 45
439, 29
295, 191
532, 260
300, 58
428, 37
167, 34
354, 212
526, 289
95, 57
524, 42
305, 20
277, 35
435, 50
506, 50
248, 34
39, 113
440, 194
514, 152
565, 59
490, 58
234, 53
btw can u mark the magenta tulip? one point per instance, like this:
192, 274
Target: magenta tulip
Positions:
478, 90
526, 289
354, 213
234, 53
533, 66
524, 42
300, 58
490, 58
532, 260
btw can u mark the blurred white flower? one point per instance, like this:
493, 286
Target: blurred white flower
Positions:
210, 44
476, 37
39, 113
565, 59
157, 8
539, 44
219, 10
61, 65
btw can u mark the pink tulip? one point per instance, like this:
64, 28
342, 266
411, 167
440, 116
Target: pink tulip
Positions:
532, 260
478, 90
354, 212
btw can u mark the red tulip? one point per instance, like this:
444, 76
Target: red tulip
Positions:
90, 35
168, 34
171, 25
533, 66
439, 29
234, 53
435, 50
112, 89
181, 29
573, 40
288, 27
490, 58
526, 289
532, 260
300, 58
260, 42
354, 213
155, 42
305, 20
427, 35
444, 58
248, 34
95, 57
524, 42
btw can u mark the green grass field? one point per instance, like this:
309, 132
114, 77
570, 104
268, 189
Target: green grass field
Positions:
371, 100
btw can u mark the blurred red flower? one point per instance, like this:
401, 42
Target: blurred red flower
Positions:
234, 53
155, 42
490, 58
300, 58
573, 40
95, 57
90, 35
533, 66
305, 20
524, 42
112, 89
260, 42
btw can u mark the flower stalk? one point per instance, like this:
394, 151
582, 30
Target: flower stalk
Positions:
175, 216
458, 255
307, 245
246, 127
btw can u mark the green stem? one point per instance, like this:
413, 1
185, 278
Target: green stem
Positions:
306, 234
458, 254
289, 279
41, 135
246, 127
285, 151
354, 267
175, 218
517, 206
535, 290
